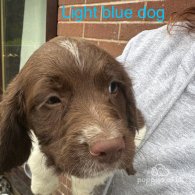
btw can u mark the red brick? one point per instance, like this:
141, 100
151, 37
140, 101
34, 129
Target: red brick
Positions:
156, 6
67, 12
115, 49
73, 30
71, 2
133, 6
100, 1
130, 30
92, 41
101, 31
98, 14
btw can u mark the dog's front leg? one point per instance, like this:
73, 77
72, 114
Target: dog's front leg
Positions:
44, 181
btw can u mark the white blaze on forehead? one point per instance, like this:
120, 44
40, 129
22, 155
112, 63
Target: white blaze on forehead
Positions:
91, 132
72, 47
108, 129
88, 133
81, 139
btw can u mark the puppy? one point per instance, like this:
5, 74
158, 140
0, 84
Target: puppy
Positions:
75, 104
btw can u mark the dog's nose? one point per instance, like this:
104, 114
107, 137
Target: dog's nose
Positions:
109, 150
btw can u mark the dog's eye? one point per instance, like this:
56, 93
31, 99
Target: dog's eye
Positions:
53, 100
113, 87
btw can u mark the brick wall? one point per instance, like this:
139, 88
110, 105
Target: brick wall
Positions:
112, 35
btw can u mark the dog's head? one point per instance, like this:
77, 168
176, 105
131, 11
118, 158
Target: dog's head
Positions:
78, 100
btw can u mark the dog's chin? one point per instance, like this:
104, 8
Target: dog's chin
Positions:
93, 173
95, 169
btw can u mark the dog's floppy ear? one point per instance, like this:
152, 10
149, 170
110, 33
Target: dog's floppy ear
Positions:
135, 118
15, 143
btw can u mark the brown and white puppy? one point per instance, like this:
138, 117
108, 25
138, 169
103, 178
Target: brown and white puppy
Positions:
76, 102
